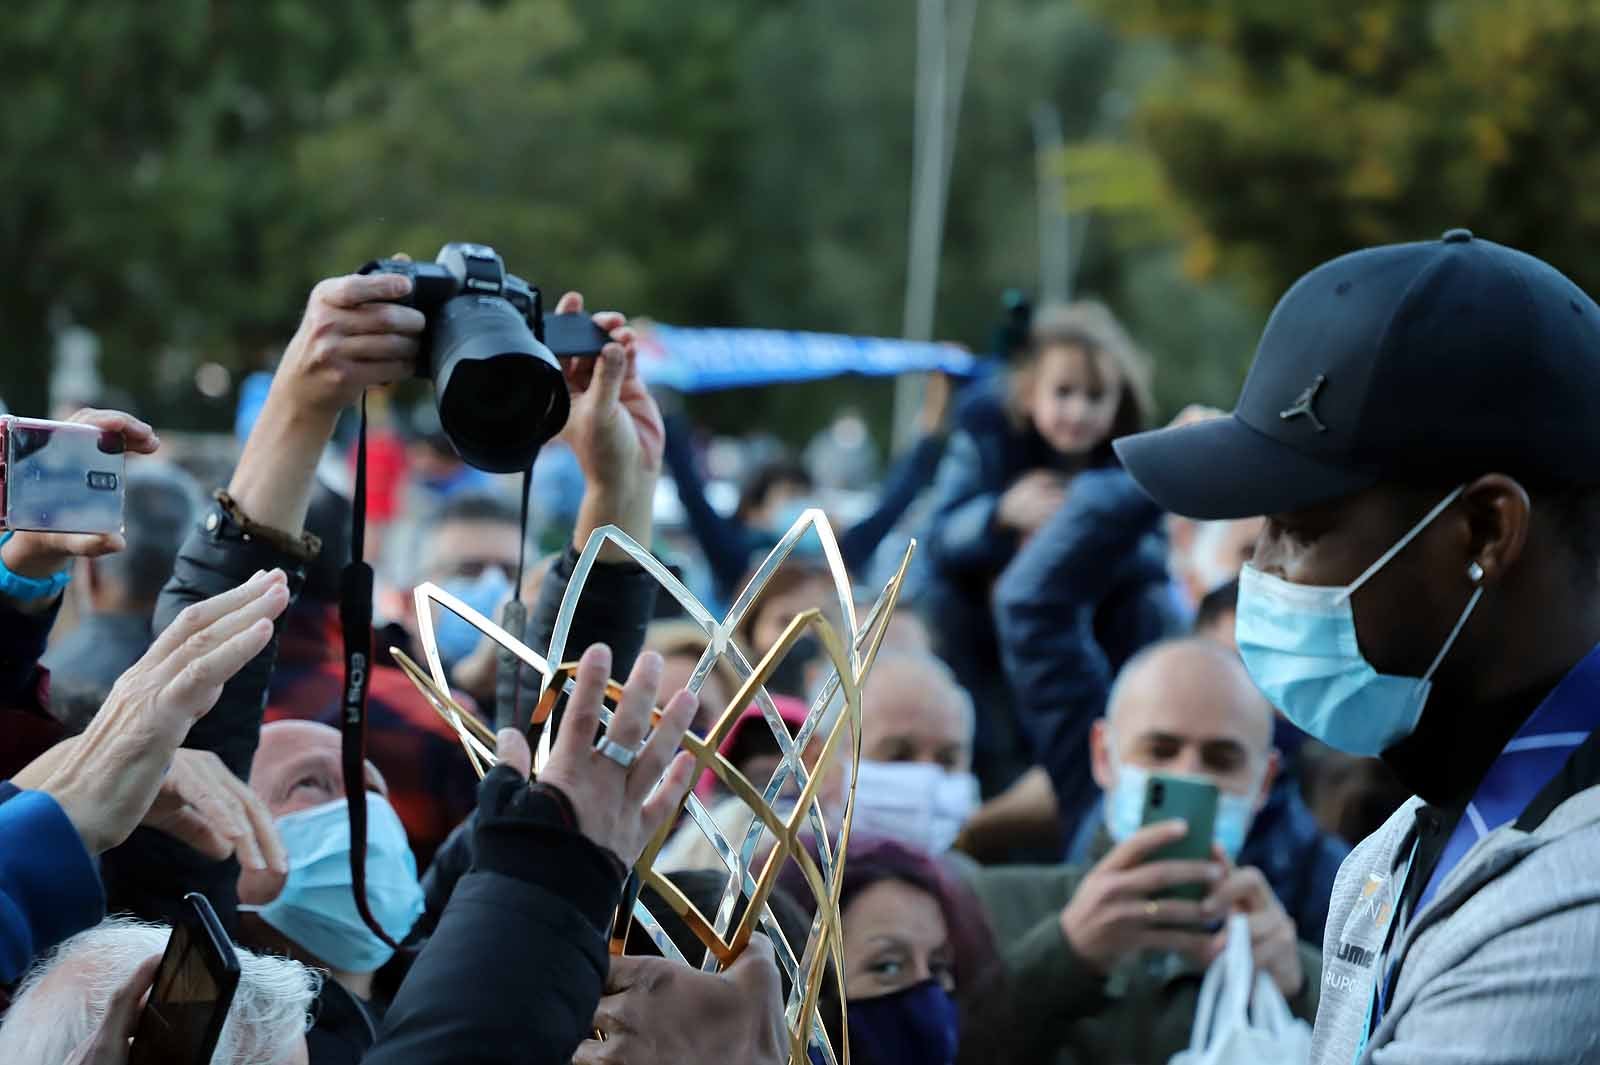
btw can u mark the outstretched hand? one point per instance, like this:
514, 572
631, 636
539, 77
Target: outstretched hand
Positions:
615, 427
619, 809
117, 767
737, 1014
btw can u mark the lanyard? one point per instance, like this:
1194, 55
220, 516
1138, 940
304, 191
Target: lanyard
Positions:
1382, 968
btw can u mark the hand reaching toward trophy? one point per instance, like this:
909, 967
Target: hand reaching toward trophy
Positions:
612, 785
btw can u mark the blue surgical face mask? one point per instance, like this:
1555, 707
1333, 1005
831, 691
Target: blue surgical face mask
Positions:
915, 1026
1299, 643
456, 636
316, 909
1124, 810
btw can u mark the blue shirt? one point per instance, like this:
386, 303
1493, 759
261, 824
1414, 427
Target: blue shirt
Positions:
1526, 764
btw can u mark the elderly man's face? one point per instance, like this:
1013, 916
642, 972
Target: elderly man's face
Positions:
297, 767
1189, 710
910, 717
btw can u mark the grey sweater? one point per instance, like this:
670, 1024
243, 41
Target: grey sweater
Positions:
1502, 966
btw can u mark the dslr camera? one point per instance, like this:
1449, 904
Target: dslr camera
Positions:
490, 351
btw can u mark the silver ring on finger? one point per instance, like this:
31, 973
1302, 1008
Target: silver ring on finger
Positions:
619, 753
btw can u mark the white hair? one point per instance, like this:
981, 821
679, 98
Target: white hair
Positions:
63, 999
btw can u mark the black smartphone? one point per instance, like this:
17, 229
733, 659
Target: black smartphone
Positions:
1192, 800
194, 988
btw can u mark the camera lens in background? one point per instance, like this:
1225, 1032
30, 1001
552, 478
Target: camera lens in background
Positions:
500, 392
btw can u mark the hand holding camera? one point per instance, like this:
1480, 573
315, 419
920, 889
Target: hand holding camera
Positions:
353, 336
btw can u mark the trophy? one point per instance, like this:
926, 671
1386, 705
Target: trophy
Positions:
751, 874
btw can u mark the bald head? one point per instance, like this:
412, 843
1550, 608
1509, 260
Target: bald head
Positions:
1187, 706
914, 710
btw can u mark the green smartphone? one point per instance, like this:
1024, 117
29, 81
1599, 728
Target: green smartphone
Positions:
1169, 797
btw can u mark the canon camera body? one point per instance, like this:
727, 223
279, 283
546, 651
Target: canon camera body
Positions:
490, 351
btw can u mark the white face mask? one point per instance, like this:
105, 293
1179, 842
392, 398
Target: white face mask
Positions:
921, 805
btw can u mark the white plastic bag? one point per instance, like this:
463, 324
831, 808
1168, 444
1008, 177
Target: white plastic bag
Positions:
1242, 1018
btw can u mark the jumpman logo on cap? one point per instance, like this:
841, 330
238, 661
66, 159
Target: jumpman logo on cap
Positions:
1306, 405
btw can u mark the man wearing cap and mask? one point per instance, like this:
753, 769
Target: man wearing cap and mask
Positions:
1097, 954
1419, 429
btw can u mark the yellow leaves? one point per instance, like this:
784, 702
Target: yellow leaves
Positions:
1375, 30
1200, 257
1489, 140
1111, 176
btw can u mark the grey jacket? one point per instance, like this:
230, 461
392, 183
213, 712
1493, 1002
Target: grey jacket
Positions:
1502, 966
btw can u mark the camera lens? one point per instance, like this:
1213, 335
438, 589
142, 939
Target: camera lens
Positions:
1158, 792
501, 394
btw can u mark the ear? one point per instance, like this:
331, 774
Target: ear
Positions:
1270, 777
1499, 515
1100, 755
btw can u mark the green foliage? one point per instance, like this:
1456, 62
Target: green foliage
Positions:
142, 175
1291, 133
179, 174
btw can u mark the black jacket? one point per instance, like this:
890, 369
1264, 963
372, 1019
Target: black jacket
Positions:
1086, 594
515, 969
149, 875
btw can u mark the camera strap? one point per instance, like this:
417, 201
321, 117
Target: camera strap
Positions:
355, 617
514, 619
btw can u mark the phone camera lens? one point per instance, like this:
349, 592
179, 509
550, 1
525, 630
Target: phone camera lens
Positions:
1158, 792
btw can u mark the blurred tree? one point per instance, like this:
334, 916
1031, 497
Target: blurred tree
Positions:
1290, 133
144, 188
179, 174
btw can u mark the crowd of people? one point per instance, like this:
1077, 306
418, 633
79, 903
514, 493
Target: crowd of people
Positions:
1360, 609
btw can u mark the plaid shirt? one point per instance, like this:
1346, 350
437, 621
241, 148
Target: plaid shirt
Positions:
431, 784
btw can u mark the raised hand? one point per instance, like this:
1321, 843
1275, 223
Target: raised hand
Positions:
115, 770
351, 337
203, 804
615, 427
619, 808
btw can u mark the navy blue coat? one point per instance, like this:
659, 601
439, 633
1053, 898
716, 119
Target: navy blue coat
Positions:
1087, 593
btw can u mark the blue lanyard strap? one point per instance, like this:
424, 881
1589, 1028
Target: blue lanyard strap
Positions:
1377, 999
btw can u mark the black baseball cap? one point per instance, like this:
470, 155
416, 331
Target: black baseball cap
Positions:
1416, 363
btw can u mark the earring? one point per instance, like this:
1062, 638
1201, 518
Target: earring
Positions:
1474, 572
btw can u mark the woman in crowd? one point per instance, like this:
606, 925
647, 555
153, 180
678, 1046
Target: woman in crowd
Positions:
923, 982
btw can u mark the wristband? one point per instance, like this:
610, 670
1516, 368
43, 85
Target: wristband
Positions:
30, 589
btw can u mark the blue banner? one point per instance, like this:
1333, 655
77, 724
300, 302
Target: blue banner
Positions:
703, 360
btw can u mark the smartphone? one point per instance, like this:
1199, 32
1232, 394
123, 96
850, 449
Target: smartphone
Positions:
194, 988
1169, 797
60, 476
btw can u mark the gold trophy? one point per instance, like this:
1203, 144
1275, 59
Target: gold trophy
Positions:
750, 874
